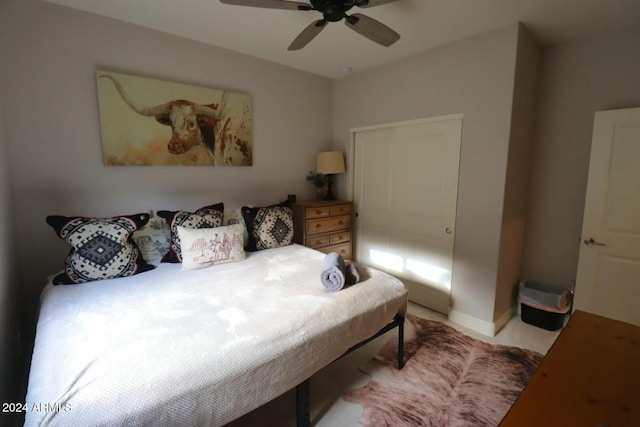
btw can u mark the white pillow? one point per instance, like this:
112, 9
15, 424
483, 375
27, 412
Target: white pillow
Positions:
234, 216
203, 247
153, 240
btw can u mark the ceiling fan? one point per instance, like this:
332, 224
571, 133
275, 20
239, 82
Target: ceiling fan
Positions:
332, 11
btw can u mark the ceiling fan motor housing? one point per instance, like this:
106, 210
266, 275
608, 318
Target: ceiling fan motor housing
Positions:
332, 10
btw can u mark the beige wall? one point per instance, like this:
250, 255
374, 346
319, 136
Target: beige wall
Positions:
475, 77
577, 79
514, 213
53, 136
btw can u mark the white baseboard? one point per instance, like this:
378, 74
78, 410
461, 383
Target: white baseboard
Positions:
481, 326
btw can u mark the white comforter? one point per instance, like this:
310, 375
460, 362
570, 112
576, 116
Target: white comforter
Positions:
172, 347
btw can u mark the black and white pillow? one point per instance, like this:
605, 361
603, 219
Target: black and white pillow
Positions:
268, 227
102, 248
206, 217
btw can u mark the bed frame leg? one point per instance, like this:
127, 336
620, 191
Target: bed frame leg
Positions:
303, 402
401, 343
303, 390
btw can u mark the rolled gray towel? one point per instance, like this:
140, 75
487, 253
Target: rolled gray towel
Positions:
333, 272
352, 275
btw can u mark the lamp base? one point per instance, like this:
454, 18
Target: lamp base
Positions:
329, 195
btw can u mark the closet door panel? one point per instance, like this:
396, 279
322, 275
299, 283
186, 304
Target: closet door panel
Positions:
405, 193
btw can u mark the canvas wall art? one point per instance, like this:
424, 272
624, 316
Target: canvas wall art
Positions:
151, 122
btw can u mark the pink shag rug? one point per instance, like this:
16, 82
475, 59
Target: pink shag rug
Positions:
449, 379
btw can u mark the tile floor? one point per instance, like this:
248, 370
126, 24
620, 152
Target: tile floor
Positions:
327, 407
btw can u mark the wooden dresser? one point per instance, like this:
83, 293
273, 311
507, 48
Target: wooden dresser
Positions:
324, 225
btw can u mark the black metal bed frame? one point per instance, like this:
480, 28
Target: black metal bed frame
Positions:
303, 392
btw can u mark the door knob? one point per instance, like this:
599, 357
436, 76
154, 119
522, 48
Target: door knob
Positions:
448, 230
591, 242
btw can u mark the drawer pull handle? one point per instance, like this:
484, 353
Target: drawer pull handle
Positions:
341, 222
318, 225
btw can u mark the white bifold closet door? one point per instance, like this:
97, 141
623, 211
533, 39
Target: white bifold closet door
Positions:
405, 193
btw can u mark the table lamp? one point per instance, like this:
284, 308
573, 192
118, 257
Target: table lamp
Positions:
330, 163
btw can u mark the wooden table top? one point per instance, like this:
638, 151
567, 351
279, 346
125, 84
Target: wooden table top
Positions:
589, 377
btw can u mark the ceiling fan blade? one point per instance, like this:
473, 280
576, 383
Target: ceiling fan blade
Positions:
372, 3
269, 4
308, 34
373, 30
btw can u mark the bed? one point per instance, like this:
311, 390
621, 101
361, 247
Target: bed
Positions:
200, 347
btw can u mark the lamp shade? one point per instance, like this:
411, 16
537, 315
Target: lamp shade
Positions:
330, 162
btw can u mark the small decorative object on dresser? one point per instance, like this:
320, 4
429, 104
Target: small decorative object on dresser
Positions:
324, 225
319, 181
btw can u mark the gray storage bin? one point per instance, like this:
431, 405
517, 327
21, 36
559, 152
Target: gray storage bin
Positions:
552, 297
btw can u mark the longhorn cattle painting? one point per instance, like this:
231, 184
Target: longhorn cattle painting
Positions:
150, 122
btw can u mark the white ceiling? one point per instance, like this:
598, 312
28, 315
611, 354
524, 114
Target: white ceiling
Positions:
422, 24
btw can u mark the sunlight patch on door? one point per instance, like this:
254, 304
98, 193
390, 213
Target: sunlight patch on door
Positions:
386, 260
427, 272
430, 272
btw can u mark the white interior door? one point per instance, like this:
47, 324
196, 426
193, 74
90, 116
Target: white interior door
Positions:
405, 195
608, 278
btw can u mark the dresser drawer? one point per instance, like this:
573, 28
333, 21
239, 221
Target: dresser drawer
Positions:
341, 237
318, 242
322, 225
344, 250
322, 240
340, 210
318, 212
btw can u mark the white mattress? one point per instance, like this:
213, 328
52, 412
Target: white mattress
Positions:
199, 348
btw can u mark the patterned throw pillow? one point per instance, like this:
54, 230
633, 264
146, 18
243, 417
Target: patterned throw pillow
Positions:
102, 248
210, 246
207, 217
153, 240
268, 227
